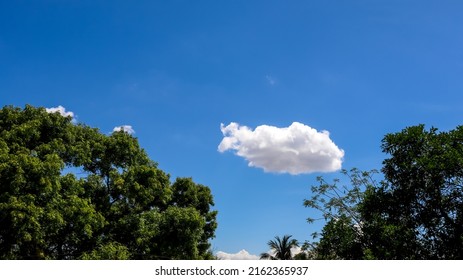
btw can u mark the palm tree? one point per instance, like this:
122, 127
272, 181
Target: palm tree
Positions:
281, 248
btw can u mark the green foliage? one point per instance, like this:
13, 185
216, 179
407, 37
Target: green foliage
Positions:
110, 251
341, 237
334, 200
187, 194
68, 191
418, 210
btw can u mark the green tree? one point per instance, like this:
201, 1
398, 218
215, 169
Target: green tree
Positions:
187, 194
417, 213
68, 191
281, 248
340, 239
342, 236
109, 251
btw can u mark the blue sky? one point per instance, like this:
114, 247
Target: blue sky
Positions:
176, 70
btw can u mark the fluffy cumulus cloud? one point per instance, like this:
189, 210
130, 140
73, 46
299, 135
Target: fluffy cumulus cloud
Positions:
295, 149
241, 255
125, 128
62, 111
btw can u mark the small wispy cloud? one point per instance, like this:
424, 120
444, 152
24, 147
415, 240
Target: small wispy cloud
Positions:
241, 255
62, 111
271, 80
126, 128
296, 149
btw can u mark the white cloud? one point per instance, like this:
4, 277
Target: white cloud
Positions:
294, 251
270, 80
125, 128
241, 255
295, 149
62, 111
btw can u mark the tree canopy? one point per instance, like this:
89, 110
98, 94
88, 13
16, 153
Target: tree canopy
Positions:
68, 191
415, 212
339, 203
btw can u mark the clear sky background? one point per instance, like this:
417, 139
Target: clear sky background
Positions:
176, 70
